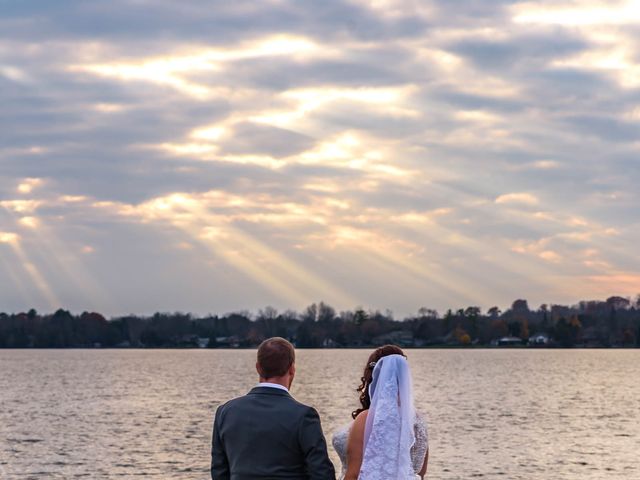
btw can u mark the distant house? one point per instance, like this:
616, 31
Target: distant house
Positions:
539, 339
232, 342
187, 340
330, 343
403, 338
592, 337
509, 341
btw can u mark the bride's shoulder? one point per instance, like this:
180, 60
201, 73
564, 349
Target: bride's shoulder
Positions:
359, 420
361, 417
356, 425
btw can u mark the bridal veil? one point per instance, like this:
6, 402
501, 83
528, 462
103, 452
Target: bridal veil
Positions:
389, 429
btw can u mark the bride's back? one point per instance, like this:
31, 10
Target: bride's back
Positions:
388, 439
418, 451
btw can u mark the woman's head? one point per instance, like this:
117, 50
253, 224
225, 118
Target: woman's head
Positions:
367, 375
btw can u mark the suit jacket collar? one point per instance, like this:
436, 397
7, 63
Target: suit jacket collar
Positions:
268, 391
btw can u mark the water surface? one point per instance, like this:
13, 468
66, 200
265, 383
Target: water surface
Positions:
493, 414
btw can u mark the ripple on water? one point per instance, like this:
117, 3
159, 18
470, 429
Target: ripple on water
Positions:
492, 413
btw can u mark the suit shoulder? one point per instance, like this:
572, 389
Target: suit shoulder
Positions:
303, 409
228, 404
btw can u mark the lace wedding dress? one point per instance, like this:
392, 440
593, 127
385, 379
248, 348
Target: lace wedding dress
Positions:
418, 451
395, 436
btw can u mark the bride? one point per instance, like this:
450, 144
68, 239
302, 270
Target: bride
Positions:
387, 439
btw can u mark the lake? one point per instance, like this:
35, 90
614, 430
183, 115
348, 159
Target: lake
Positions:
492, 414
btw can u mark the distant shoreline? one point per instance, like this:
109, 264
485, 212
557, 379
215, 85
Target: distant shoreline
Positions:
434, 347
613, 323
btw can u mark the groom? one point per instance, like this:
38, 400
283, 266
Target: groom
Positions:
267, 434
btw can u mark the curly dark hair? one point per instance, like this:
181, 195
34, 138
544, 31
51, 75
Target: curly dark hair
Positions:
367, 375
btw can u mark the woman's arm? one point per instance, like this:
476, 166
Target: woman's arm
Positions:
355, 447
423, 470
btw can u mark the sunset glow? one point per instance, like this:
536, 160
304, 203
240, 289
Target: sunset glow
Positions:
376, 153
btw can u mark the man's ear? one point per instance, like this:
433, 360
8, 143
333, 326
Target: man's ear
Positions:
292, 374
258, 369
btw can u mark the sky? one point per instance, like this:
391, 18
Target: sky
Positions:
215, 156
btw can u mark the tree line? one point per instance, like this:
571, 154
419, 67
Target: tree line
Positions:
614, 322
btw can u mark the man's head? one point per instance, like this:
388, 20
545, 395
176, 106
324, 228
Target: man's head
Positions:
276, 361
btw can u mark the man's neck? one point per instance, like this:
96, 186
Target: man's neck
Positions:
273, 382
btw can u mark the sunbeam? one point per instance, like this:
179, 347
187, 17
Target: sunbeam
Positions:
263, 264
36, 277
57, 256
17, 282
376, 248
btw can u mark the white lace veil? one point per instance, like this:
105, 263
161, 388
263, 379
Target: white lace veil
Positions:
389, 429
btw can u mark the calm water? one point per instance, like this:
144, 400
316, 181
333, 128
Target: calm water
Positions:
543, 414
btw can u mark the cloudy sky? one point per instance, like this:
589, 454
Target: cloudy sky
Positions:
213, 156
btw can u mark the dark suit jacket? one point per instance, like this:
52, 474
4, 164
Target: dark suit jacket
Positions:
268, 435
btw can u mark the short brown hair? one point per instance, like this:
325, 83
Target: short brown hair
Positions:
275, 356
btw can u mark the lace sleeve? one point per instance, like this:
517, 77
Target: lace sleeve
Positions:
339, 441
420, 447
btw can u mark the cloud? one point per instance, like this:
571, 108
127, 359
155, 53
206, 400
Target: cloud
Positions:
530, 49
14, 74
569, 14
550, 256
411, 144
29, 222
21, 206
29, 184
250, 138
521, 198
9, 237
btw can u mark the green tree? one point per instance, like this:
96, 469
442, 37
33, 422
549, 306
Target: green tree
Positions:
360, 316
326, 313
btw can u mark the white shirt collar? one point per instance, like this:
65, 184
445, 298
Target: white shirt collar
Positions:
273, 385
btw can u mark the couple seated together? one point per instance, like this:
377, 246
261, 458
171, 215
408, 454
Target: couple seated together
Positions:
266, 434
